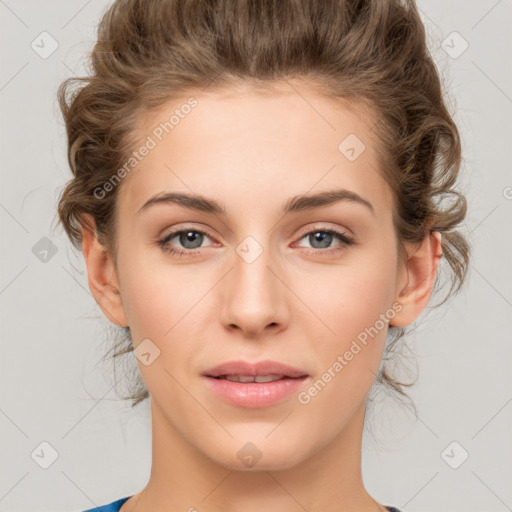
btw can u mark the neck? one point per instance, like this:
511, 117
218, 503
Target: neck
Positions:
183, 478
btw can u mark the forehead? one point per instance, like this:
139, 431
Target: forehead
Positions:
250, 146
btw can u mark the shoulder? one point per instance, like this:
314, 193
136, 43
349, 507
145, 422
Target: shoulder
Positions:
111, 507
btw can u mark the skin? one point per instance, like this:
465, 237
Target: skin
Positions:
297, 303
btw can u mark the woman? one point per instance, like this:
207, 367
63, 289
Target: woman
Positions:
258, 193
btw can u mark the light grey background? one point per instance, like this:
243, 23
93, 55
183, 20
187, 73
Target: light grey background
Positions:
54, 390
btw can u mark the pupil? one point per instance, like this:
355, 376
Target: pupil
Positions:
322, 237
190, 236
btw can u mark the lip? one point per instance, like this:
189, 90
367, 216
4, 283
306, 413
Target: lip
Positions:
260, 368
254, 394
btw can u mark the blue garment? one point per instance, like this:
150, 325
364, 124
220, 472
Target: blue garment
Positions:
116, 505
111, 507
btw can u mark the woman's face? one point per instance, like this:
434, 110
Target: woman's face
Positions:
266, 279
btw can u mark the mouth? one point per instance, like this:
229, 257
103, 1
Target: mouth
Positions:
254, 385
261, 379
262, 371
254, 392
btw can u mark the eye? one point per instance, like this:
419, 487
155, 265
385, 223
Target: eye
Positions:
321, 240
189, 238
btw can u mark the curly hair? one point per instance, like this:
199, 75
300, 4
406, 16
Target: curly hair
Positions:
370, 52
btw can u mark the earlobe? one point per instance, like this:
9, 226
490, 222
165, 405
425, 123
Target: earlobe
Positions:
421, 270
102, 276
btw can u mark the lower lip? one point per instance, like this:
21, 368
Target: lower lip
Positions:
255, 394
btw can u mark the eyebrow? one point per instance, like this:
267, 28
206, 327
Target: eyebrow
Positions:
295, 204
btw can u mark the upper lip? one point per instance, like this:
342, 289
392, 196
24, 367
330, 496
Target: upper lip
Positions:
260, 368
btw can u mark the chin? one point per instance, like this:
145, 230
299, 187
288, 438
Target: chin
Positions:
264, 455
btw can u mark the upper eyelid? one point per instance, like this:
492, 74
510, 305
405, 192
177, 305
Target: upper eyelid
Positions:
176, 231
341, 231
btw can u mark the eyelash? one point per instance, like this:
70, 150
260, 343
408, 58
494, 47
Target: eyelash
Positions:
163, 242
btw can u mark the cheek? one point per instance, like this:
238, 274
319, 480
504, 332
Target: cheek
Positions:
161, 305
155, 295
355, 306
350, 297
145, 305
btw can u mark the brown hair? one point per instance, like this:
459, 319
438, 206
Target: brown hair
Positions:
371, 52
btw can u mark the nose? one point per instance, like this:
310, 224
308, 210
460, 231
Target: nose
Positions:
254, 297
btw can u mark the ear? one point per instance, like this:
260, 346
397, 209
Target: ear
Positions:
102, 275
421, 269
